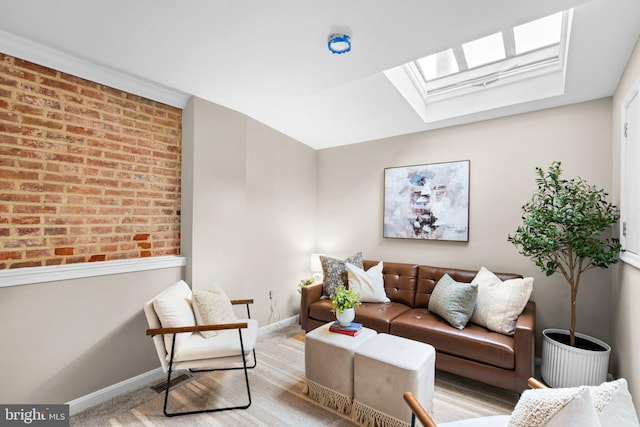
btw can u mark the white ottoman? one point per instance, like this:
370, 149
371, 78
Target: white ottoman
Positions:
328, 363
386, 367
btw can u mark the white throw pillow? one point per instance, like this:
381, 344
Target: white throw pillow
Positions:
211, 307
614, 404
499, 303
561, 407
173, 308
369, 284
579, 413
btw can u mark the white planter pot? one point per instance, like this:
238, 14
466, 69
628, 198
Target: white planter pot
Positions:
566, 366
346, 317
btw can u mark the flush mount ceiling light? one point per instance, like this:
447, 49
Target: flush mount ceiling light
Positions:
339, 43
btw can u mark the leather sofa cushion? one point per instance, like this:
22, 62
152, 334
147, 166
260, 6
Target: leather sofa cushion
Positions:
473, 342
376, 315
379, 315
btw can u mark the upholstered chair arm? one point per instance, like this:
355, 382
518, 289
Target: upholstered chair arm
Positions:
524, 337
310, 294
196, 328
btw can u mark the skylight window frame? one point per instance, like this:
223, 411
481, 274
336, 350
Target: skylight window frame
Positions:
537, 62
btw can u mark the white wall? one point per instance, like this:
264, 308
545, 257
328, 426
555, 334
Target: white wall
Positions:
626, 285
503, 154
249, 203
63, 340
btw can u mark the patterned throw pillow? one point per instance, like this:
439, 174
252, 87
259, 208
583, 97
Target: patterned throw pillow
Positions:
453, 301
335, 272
211, 307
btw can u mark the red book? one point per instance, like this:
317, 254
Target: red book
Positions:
344, 332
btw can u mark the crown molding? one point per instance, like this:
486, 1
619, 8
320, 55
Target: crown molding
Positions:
37, 53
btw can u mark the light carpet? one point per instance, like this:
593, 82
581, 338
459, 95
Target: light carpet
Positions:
278, 396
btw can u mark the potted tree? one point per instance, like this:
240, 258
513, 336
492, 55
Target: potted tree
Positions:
562, 232
344, 302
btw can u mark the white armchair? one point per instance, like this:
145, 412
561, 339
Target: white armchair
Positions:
180, 342
608, 404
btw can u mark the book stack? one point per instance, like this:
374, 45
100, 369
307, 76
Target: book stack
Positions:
353, 329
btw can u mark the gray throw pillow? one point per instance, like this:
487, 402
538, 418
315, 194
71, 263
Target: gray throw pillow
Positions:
335, 272
453, 301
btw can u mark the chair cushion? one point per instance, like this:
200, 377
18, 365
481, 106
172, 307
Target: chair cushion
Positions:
211, 307
225, 344
454, 301
173, 308
369, 284
500, 303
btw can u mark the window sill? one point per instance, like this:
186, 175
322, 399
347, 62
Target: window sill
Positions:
32, 275
631, 259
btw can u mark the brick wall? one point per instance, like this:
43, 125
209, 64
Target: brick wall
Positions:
87, 172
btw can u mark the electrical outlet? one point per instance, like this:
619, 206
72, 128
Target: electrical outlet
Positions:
270, 294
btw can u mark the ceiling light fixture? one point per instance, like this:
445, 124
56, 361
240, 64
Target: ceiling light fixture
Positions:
339, 43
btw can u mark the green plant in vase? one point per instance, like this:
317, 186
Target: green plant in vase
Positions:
562, 230
344, 301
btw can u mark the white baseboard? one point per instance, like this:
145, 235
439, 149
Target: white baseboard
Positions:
278, 325
102, 395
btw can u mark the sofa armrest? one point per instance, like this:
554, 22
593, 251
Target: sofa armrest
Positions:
310, 294
525, 337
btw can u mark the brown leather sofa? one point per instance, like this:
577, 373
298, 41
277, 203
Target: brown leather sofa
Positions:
474, 352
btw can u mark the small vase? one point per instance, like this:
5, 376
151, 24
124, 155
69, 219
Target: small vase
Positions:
346, 317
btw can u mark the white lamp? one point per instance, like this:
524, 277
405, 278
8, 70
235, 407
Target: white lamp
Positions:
316, 267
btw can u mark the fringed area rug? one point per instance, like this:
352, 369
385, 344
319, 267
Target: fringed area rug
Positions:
280, 397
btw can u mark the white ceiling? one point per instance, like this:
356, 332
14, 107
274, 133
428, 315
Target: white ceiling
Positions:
268, 58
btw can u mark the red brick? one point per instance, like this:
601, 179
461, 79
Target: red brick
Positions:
32, 209
55, 231
38, 69
59, 84
38, 253
28, 231
23, 220
63, 251
7, 255
26, 264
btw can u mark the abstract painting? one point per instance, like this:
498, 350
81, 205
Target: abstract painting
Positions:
428, 202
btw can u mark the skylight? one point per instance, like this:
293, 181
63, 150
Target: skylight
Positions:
520, 55
484, 51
